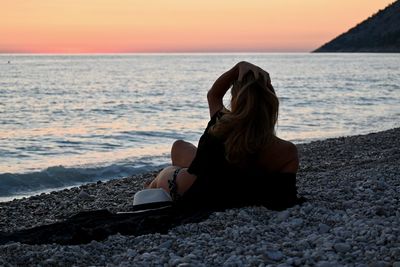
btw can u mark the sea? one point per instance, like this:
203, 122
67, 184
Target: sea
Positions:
67, 120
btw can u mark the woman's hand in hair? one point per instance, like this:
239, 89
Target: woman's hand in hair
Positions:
245, 67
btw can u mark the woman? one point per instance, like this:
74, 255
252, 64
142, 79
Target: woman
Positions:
239, 159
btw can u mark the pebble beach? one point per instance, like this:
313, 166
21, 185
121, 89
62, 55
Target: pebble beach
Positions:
351, 218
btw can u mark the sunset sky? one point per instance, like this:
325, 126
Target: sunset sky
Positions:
106, 26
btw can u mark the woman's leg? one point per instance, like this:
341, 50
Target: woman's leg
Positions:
182, 153
183, 180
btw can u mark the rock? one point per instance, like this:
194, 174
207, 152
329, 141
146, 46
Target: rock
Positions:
275, 255
50, 261
326, 264
342, 247
307, 208
84, 195
131, 253
166, 244
378, 264
175, 260
380, 211
231, 260
283, 215
323, 228
296, 222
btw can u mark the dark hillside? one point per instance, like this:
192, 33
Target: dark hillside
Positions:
378, 33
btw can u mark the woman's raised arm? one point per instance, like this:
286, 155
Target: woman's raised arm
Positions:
224, 82
219, 88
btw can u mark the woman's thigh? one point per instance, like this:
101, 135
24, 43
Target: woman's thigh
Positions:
183, 180
182, 153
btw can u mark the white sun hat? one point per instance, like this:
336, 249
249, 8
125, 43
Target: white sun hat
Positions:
151, 195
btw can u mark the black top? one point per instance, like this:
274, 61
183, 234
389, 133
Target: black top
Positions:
222, 184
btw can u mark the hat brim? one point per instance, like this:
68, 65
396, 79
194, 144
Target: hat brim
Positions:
151, 195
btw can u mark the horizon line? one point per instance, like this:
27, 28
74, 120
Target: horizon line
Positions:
155, 53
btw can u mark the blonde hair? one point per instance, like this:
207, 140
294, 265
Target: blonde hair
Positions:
250, 124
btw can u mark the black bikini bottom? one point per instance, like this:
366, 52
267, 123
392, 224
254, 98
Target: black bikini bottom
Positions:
173, 186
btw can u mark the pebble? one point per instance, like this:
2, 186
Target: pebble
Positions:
323, 228
326, 264
84, 195
274, 255
296, 222
378, 264
131, 253
351, 218
342, 247
166, 244
283, 215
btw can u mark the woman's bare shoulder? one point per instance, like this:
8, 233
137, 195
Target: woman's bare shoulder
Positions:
287, 147
280, 156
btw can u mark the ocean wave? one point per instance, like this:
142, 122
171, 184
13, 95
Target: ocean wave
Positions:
57, 177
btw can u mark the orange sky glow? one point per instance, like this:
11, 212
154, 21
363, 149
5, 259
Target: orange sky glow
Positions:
131, 26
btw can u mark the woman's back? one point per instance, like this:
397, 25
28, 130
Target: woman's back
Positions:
263, 180
279, 156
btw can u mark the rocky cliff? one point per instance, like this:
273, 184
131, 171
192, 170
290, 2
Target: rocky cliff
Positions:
378, 33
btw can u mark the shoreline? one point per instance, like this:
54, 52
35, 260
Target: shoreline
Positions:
136, 172
351, 217
27, 194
